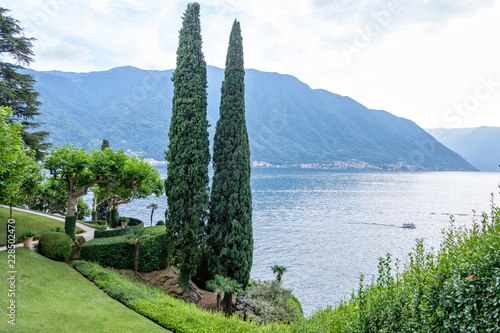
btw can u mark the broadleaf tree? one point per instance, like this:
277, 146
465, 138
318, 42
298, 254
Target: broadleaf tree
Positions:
230, 232
19, 172
79, 170
137, 179
188, 153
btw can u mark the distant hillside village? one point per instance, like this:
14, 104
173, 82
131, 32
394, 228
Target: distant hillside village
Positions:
337, 165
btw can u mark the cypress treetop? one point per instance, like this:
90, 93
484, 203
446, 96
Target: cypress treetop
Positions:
188, 152
230, 232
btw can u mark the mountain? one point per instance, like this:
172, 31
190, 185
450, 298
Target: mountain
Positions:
287, 121
480, 146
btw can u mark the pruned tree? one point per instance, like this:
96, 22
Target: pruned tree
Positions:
136, 179
79, 170
188, 153
230, 233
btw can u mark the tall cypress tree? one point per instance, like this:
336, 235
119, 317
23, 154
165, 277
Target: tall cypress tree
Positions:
230, 224
188, 152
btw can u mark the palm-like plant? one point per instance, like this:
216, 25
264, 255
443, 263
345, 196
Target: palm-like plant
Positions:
135, 236
224, 285
152, 206
279, 271
217, 286
231, 287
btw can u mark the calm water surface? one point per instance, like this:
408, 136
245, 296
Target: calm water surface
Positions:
328, 227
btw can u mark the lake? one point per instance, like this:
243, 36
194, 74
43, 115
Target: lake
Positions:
327, 227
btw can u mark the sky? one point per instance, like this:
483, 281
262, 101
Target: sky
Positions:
435, 62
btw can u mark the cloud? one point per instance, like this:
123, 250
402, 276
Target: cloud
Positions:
417, 11
65, 51
413, 58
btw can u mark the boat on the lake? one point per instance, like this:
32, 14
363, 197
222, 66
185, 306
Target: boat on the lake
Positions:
408, 225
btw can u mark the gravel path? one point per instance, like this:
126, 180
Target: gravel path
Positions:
88, 233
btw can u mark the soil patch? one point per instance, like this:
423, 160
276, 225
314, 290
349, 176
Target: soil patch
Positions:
166, 280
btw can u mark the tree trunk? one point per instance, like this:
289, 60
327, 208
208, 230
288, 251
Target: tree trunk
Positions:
218, 302
71, 204
70, 219
11, 212
136, 262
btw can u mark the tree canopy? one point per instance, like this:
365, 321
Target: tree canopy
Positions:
19, 172
16, 89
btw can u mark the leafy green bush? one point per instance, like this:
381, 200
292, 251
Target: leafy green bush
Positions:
55, 245
101, 222
160, 222
117, 253
172, 314
267, 302
456, 289
99, 229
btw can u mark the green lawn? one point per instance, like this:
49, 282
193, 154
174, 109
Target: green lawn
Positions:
26, 220
50, 296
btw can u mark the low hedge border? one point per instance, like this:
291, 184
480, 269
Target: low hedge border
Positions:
114, 232
173, 314
116, 252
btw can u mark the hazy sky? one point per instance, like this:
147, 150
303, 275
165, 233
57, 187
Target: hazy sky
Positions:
435, 62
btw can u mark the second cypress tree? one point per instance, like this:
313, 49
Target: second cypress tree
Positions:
229, 231
188, 152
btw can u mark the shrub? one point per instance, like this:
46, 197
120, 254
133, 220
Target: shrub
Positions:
160, 222
267, 302
112, 233
101, 222
117, 253
99, 229
69, 228
55, 245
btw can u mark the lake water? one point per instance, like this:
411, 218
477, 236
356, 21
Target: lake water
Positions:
327, 227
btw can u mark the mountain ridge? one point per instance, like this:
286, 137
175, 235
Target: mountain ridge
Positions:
288, 122
480, 146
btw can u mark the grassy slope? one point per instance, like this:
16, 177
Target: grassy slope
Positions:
53, 297
27, 220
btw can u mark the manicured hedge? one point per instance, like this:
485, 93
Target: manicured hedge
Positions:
113, 232
116, 252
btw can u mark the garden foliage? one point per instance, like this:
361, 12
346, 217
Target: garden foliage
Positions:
267, 302
116, 252
55, 245
455, 289
171, 313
